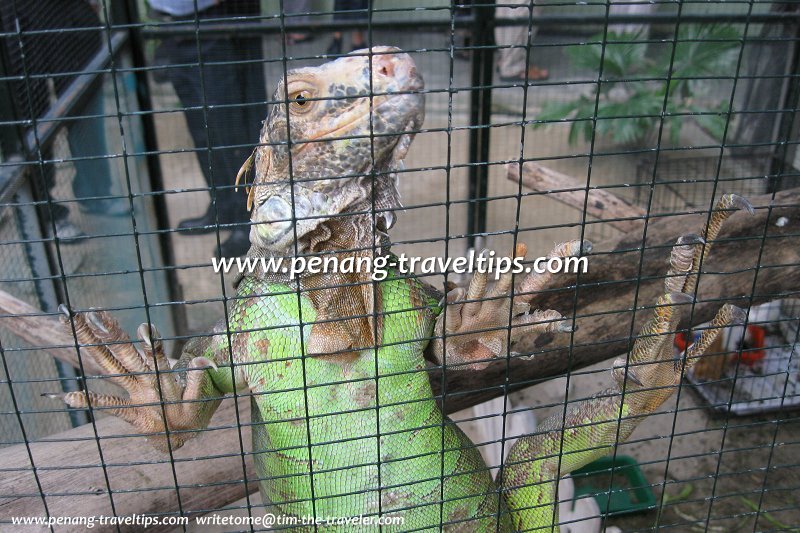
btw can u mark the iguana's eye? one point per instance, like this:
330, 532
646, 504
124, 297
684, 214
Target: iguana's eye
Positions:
300, 101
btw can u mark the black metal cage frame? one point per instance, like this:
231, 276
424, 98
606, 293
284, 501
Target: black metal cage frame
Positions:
128, 38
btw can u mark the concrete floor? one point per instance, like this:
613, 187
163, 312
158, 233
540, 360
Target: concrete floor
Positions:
681, 447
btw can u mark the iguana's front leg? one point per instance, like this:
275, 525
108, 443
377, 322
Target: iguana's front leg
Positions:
644, 380
473, 330
162, 401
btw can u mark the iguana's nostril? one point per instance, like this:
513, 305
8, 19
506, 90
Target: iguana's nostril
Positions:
384, 65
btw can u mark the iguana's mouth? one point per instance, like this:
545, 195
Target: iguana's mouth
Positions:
340, 132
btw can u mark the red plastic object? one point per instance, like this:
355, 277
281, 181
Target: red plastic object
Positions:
680, 340
753, 347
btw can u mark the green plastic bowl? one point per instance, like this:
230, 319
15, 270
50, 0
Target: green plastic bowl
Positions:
629, 490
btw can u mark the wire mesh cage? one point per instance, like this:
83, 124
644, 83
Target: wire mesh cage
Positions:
160, 159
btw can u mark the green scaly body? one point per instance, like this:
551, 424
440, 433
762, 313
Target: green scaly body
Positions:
348, 407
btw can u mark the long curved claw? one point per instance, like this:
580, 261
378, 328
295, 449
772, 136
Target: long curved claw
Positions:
738, 316
690, 238
734, 200
153, 347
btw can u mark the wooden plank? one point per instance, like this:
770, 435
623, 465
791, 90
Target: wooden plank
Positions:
601, 204
209, 471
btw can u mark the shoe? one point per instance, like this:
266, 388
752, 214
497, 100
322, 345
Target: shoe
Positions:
335, 48
205, 223
534, 74
111, 207
67, 232
236, 245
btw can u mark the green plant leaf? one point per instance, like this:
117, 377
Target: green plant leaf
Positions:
704, 51
627, 112
624, 57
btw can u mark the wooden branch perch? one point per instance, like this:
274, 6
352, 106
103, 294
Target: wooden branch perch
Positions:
601, 204
39, 330
620, 276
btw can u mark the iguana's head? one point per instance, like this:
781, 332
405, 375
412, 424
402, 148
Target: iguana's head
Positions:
350, 126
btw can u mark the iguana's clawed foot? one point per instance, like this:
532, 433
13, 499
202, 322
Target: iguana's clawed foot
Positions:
588, 429
651, 371
474, 329
145, 374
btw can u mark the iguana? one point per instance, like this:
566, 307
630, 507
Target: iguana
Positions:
345, 422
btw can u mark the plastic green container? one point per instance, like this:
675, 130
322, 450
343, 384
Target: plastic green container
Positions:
630, 492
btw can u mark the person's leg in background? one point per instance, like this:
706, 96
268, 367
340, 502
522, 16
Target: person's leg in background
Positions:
86, 136
235, 130
348, 10
233, 84
511, 61
300, 7
58, 212
212, 129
